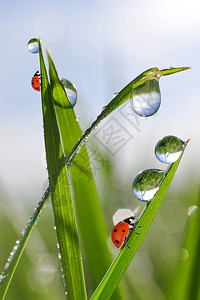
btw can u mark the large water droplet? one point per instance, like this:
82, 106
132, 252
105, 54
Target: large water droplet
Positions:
146, 98
169, 149
70, 90
33, 46
146, 183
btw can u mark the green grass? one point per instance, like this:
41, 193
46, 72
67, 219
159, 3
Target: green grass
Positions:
65, 222
78, 215
125, 256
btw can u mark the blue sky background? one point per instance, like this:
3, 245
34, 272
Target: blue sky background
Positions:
100, 46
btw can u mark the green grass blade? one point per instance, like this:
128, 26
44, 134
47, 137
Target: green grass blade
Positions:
186, 284
125, 256
13, 260
119, 99
61, 195
170, 71
87, 204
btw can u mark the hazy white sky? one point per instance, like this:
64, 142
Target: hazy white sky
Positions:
100, 46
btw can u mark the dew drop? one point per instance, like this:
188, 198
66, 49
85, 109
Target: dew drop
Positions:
33, 45
1, 277
6, 266
146, 183
193, 210
54, 227
184, 253
169, 149
146, 98
114, 95
70, 90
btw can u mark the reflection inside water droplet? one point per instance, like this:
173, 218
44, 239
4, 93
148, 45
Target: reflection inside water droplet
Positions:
33, 45
70, 90
146, 98
146, 183
169, 149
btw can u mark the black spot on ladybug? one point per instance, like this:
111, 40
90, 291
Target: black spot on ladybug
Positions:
32, 82
115, 230
116, 241
37, 88
123, 230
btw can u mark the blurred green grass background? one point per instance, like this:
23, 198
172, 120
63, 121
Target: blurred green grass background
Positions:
150, 274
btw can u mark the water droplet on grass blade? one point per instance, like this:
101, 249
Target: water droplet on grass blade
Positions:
184, 254
146, 183
193, 210
146, 98
70, 90
33, 46
169, 149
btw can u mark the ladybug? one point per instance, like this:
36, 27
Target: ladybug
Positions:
121, 229
35, 82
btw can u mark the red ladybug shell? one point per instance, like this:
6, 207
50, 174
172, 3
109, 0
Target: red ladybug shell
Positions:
35, 82
119, 233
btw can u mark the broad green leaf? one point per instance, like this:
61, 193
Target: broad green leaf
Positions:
89, 214
61, 195
186, 284
125, 256
13, 260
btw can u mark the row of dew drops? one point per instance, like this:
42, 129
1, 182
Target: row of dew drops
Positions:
146, 183
145, 100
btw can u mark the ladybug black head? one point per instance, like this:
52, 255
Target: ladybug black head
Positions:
36, 73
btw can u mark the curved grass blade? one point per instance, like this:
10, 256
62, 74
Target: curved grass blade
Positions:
12, 262
119, 99
125, 256
61, 195
86, 199
170, 71
186, 283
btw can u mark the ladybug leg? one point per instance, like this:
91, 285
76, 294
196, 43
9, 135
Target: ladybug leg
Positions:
126, 243
138, 226
135, 231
